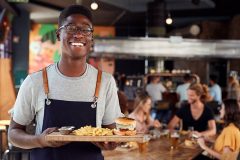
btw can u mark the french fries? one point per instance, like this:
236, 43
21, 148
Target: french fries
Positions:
93, 131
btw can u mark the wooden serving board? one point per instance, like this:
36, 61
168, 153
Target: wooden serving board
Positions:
56, 136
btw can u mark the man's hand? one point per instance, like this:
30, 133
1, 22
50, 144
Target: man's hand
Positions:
106, 145
44, 143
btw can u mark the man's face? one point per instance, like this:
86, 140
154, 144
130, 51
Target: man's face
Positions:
75, 37
192, 96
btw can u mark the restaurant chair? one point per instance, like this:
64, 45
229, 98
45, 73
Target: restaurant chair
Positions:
163, 111
15, 153
214, 106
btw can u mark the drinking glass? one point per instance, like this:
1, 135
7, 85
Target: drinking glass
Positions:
174, 138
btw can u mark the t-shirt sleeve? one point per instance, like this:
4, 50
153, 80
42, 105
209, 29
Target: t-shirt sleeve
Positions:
178, 90
212, 92
230, 139
162, 88
180, 113
209, 114
112, 107
22, 112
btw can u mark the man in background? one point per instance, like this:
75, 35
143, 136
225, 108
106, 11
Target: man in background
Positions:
215, 89
182, 89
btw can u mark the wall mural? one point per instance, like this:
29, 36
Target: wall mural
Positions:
44, 48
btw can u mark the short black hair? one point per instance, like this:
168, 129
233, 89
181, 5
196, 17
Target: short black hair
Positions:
74, 9
187, 77
213, 78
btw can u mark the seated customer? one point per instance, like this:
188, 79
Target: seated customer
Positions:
227, 145
141, 113
195, 114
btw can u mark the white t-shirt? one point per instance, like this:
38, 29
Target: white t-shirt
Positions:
31, 96
155, 91
216, 93
182, 91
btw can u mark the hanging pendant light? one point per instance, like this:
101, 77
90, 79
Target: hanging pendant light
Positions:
169, 20
94, 5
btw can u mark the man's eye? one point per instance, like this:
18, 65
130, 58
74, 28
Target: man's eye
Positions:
72, 28
86, 30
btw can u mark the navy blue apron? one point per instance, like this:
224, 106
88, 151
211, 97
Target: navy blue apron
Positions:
60, 113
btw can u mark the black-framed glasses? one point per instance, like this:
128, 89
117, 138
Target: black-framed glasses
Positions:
73, 29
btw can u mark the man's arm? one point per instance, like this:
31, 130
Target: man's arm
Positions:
211, 129
172, 124
18, 137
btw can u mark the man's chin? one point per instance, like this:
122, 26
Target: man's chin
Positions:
192, 102
78, 55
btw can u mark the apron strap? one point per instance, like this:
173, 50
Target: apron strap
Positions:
45, 84
45, 80
97, 88
98, 83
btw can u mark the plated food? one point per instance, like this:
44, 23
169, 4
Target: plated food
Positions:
125, 126
190, 143
93, 131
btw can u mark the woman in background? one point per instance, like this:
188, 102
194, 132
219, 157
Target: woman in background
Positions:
141, 113
227, 144
206, 96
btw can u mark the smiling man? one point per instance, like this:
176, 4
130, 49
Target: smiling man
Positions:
70, 92
195, 114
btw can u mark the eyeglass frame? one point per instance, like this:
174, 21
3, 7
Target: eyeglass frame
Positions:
78, 29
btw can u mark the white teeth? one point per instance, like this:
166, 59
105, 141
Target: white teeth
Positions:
77, 44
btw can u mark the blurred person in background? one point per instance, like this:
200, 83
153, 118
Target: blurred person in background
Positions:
233, 87
155, 89
141, 113
215, 89
182, 89
195, 114
195, 78
227, 144
206, 96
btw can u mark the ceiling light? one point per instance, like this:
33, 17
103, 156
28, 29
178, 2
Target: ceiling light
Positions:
94, 6
195, 30
169, 19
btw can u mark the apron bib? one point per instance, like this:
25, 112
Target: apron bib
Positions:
58, 113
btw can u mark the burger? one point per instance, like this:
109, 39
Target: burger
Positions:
125, 126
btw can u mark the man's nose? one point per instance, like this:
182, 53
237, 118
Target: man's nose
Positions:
78, 34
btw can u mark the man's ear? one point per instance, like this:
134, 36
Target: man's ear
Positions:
58, 35
92, 41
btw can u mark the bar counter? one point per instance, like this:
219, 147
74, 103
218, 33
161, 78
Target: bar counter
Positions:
157, 149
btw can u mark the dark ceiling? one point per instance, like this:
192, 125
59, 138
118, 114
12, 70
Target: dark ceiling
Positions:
132, 16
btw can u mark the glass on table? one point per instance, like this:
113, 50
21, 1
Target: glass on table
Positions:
190, 131
143, 147
174, 138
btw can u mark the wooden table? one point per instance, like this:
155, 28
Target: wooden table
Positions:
157, 149
4, 122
